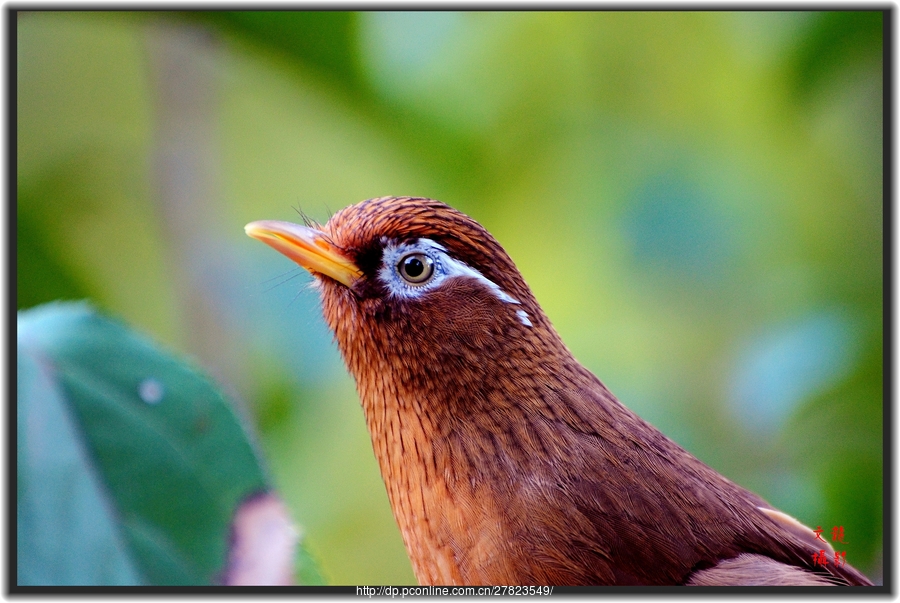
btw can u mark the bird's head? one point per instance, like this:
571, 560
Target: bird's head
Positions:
419, 296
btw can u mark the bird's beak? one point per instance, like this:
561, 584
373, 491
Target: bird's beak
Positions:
308, 247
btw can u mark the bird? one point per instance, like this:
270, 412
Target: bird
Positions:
507, 462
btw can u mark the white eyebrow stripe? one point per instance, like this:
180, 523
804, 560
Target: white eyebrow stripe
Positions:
457, 268
449, 267
433, 244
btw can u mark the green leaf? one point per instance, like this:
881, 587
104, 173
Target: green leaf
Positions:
65, 527
131, 464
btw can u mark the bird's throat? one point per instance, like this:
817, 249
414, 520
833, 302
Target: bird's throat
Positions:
435, 488
444, 433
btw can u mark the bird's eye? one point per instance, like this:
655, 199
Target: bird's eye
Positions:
416, 268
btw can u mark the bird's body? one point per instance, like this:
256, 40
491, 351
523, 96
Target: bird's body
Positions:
505, 460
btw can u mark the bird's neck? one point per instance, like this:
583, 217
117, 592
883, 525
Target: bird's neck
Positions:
433, 491
445, 446
455, 407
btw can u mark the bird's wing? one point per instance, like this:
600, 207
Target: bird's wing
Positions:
692, 532
653, 513
756, 570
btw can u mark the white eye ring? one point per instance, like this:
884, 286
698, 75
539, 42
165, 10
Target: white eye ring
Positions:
416, 268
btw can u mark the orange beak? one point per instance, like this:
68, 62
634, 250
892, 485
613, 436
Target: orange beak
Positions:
308, 247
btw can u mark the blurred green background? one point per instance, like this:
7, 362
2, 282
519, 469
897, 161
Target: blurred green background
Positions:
696, 199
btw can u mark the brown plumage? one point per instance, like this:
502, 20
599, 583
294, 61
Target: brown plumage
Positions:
505, 460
